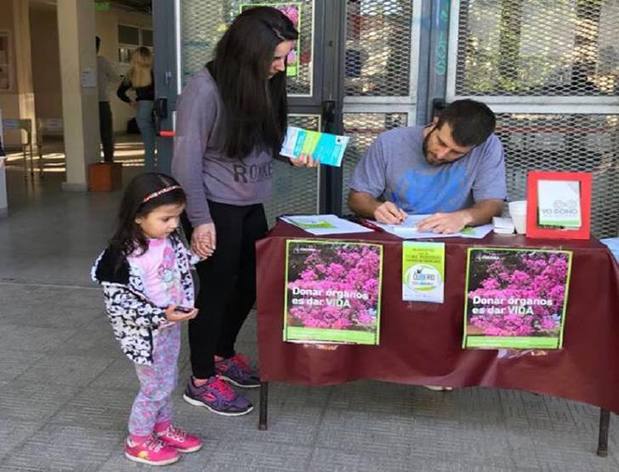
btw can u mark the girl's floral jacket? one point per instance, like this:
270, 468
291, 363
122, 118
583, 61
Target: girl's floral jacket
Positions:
132, 315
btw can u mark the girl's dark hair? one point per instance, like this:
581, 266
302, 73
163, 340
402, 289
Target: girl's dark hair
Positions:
255, 113
129, 236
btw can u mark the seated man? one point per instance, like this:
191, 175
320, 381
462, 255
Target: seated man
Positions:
452, 169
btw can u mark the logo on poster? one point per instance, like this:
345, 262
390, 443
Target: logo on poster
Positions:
561, 208
422, 278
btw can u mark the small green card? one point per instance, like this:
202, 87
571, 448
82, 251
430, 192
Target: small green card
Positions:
423, 271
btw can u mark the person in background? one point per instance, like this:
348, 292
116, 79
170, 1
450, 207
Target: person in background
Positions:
231, 123
105, 75
140, 79
148, 292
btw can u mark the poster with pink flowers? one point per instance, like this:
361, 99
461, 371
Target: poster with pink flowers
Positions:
332, 291
293, 11
516, 298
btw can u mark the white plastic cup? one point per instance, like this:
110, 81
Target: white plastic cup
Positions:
518, 212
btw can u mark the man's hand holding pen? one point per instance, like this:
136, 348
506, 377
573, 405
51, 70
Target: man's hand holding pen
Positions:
389, 213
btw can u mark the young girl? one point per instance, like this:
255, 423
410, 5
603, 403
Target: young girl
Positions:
140, 79
147, 285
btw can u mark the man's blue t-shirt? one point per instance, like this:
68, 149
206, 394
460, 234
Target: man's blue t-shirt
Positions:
395, 168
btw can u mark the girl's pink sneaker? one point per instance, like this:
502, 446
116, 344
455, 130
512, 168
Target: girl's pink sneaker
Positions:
180, 440
153, 451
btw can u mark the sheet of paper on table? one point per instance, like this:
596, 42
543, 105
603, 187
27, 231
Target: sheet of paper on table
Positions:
613, 245
408, 230
320, 225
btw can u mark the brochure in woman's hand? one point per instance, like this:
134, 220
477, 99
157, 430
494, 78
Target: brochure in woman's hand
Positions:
326, 148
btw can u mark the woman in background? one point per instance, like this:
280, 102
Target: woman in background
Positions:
139, 78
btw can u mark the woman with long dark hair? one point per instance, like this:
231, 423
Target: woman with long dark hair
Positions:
231, 122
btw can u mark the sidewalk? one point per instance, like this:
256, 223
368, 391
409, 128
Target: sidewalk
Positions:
66, 390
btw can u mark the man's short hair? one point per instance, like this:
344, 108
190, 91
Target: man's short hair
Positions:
471, 122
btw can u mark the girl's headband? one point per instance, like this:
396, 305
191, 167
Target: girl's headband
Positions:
150, 196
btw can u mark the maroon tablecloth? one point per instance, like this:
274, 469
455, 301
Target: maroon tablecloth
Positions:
420, 343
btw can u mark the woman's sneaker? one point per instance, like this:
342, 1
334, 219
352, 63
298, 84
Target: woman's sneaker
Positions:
217, 396
180, 440
153, 451
237, 371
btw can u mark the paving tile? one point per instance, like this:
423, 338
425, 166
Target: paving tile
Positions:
120, 373
28, 401
368, 432
30, 338
335, 460
92, 340
471, 441
66, 370
49, 306
258, 456
98, 408
14, 363
375, 397
13, 433
57, 447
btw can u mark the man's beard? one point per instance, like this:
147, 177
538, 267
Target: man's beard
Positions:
430, 159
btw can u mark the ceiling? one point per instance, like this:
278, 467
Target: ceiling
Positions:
141, 6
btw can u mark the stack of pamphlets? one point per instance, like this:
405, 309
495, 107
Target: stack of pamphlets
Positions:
319, 225
503, 225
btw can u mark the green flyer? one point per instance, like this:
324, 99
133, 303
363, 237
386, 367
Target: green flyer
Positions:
516, 298
326, 148
332, 291
423, 271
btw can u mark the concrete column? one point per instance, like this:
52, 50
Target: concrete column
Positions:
78, 70
23, 63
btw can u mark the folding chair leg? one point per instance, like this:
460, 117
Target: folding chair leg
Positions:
25, 163
41, 173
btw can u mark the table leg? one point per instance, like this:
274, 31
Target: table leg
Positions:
264, 404
603, 433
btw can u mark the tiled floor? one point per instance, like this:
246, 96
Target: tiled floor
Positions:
65, 388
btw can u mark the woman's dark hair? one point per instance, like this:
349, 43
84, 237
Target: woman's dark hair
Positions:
256, 108
129, 236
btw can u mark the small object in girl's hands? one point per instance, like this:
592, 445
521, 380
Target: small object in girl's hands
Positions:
184, 309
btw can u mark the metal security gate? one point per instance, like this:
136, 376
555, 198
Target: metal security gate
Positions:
550, 70
380, 74
359, 79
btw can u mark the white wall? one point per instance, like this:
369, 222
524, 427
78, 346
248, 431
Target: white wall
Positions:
9, 101
45, 61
